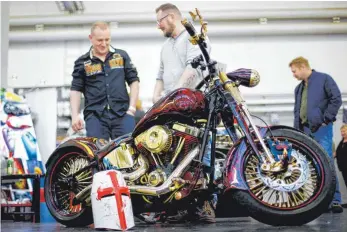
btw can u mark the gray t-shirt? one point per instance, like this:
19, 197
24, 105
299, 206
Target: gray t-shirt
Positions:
177, 54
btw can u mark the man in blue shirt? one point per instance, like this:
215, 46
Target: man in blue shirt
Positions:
100, 75
317, 101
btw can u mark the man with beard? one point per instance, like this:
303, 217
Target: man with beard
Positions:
176, 55
175, 72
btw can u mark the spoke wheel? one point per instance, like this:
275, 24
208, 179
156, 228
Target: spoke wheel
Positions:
289, 189
61, 188
295, 196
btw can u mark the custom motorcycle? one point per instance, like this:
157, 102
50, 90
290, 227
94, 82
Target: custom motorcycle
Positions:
280, 175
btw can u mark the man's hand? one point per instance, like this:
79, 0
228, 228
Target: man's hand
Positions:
157, 98
158, 89
75, 101
77, 123
131, 111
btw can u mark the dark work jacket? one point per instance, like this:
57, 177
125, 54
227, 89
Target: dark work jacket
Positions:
323, 101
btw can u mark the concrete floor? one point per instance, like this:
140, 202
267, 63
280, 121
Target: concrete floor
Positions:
327, 222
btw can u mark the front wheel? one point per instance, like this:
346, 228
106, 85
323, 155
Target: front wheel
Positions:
295, 196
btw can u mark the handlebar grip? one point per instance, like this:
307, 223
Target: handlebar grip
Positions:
189, 27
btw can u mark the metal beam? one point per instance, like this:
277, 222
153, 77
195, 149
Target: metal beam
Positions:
215, 31
210, 16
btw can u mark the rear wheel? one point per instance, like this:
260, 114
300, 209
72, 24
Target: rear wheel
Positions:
295, 196
59, 192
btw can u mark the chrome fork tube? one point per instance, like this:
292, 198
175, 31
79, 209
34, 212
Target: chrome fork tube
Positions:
257, 134
235, 93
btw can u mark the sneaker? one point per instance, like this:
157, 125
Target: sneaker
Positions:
336, 208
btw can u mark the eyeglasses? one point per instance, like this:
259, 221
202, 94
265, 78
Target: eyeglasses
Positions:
161, 19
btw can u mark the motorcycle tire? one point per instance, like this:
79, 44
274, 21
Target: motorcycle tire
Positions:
62, 211
259, 205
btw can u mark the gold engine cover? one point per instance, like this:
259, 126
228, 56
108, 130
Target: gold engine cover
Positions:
122, 156
157, 139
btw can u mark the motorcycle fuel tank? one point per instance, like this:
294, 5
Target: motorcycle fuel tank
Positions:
183, 102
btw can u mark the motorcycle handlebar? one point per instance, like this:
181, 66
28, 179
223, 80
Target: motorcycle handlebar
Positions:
202, 82
189, 27
200, 41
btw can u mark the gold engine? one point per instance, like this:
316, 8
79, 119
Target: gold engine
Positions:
157, 139
156, 149
122, 157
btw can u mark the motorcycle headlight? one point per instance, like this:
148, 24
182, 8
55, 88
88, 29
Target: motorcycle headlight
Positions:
246, 77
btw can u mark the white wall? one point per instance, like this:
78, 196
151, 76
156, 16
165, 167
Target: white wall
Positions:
29, 8
51, 64
36, 64
43, 103
270, 56
4, 15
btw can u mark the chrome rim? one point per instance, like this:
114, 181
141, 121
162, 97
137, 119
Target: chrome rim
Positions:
64, 191
290, 189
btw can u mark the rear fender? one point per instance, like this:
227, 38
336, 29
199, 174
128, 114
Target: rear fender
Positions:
233, 176
85, 145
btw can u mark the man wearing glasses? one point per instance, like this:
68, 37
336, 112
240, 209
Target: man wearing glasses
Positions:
176, 55
175, 72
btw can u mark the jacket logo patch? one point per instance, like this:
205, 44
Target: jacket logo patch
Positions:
116, 61
92, 69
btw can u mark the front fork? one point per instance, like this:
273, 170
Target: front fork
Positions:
266, 157
270, 161
237, 105
240, 111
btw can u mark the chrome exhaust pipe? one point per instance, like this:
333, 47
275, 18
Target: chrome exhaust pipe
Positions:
148, 190
165, 187
143, 166
81, 196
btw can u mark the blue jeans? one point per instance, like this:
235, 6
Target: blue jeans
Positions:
207, 156
324, 136
109, 125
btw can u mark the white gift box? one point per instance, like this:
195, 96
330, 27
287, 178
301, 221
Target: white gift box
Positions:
111, 201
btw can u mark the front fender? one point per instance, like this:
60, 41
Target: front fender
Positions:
233, 178
233, 173
86, 145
